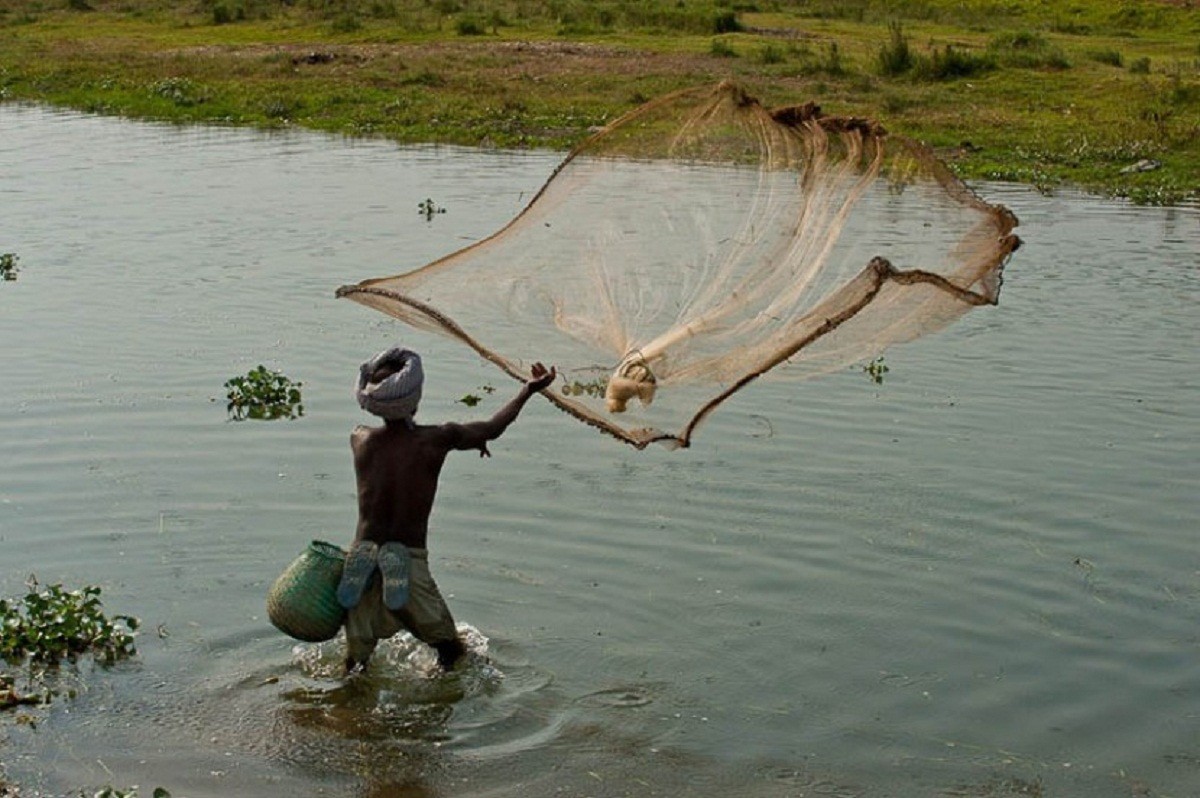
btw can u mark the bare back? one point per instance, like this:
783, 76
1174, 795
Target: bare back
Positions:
397, 466
397, 472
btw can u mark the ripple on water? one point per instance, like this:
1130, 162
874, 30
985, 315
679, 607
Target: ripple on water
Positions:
391, 722
619, 697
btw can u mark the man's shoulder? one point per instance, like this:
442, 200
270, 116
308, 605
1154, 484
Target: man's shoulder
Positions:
441, 433
418, 433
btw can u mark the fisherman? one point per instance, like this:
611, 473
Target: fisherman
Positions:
386, 585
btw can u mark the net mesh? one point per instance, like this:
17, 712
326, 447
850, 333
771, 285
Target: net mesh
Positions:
703, 241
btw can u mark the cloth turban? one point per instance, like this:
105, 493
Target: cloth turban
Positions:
397, 395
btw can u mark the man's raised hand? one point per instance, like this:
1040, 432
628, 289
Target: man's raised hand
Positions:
542, 377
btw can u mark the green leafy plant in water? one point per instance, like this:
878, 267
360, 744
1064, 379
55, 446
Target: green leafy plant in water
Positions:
52, 625
472, 399
263, 394
429, 209
8, 266
876, 369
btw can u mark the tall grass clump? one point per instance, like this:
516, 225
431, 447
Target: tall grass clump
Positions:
771, 54
1110, 57
226, 12
894, 57
722, 49
832, 63
223, 13
469, 26
1027, 50
726, 22
346, 22
577, 17
950, 63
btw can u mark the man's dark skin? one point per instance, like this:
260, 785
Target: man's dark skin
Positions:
397, 467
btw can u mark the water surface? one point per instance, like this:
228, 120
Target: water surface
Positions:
980, 578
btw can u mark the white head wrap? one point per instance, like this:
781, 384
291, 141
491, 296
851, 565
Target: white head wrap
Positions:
397, 396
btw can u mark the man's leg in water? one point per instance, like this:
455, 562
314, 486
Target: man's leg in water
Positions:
367, 624
427, 616
359, 648
449, 653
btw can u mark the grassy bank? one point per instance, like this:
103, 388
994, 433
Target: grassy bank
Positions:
1097, 93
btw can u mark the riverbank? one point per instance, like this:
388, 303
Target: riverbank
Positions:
1105, 99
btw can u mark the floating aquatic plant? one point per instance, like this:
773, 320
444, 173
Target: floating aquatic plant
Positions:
263, 394
472, 399
8, 266
428, 208
52, 624
876, 369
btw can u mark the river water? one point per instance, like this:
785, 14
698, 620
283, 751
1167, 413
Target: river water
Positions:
979, 578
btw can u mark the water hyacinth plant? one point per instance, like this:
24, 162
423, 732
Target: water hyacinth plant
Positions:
875, 370
263, 394
53, 624
8, 266
50, 626
429, 209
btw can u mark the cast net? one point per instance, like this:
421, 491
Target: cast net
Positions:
701, 242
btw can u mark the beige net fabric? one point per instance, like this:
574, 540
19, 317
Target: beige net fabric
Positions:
701, 242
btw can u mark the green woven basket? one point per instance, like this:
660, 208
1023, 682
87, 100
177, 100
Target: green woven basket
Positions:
303, 601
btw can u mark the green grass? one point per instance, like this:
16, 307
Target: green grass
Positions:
1017, 90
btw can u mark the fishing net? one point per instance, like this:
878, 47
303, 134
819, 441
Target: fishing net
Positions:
701, 242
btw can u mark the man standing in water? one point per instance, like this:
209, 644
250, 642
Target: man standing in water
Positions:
386, 584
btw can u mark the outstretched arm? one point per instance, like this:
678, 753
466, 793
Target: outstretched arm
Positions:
476, 434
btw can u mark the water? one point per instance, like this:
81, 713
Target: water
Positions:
980, 578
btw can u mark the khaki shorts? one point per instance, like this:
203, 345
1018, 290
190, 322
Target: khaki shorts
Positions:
425, 615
